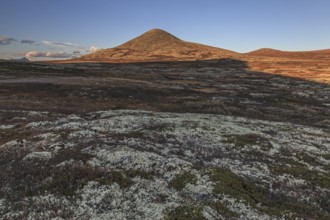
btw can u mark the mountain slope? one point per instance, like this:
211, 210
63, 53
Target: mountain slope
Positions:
314, 54
157, 45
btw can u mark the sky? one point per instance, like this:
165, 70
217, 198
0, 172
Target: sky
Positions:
60, 29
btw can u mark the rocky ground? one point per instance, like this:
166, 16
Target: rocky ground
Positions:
178, 140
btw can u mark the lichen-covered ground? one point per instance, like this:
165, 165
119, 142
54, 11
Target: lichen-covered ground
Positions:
126, 164
216, 139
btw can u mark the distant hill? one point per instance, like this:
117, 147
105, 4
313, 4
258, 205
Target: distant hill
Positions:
157, 45
23, 59
314, 54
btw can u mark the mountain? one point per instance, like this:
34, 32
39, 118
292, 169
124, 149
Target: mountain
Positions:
314, 54
23, 59
157, 45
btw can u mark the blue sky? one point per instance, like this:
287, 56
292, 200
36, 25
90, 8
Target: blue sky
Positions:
66, 28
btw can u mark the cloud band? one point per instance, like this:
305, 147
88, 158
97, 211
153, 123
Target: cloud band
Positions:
48, 54
5, 40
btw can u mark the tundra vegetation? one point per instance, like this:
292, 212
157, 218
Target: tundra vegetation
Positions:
173, 140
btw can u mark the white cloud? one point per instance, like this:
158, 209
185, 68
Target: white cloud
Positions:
5, 40
93, 49
58, 44
48, 54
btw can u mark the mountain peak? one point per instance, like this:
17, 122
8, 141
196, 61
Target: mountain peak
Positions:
151, 40
157, 31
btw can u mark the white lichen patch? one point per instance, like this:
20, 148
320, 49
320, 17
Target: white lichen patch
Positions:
42, 155
4, 127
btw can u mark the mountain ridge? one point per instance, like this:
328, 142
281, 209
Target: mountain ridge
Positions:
270, 52
157, 45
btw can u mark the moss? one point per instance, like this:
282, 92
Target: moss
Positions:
66, 180
223, 210
140, 173
16, 134
180, 181
302, 172
259, 197
235, 186
206, 128
289, 161
324, 201
249, 139
327, 166
71, 154
123, 136
157, 126
308, 158
184, 213
24, 177
115, 176
326, 156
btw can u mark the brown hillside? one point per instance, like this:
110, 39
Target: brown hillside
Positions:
157, 45
308, 65
315, 54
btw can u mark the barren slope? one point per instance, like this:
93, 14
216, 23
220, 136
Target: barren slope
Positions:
157, 45
308, 65
315, 54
